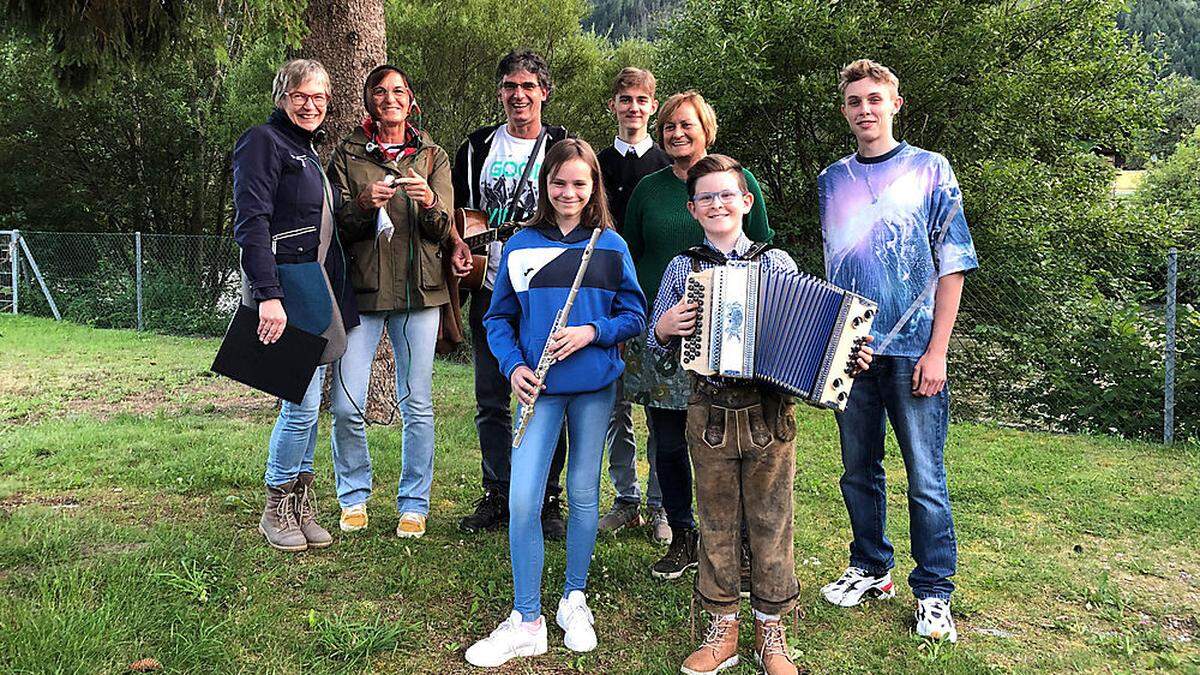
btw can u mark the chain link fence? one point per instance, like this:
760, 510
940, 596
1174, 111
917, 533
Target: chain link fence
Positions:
1065, 345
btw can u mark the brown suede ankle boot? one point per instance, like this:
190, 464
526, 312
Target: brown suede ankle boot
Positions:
306, 513
279, 524
717, 652
770, 648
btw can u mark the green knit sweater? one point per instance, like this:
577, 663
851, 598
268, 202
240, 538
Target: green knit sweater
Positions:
658, 226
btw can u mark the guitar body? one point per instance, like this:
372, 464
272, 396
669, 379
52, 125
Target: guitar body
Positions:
472, 226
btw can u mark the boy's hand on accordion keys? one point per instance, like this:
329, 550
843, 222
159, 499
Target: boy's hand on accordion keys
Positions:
679, 320
861, 356
570, 340
525, 384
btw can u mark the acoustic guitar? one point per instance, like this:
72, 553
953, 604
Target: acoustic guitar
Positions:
472, 226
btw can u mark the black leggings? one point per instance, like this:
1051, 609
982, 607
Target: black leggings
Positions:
673, 465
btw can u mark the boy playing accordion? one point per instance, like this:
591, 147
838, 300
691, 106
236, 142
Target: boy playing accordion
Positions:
741, 439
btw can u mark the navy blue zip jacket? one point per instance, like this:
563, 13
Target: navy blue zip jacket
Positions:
536, 272
278, 190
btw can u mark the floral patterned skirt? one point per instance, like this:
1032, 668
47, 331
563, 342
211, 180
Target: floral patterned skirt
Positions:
653, 381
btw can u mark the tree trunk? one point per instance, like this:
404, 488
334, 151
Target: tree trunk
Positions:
349, 38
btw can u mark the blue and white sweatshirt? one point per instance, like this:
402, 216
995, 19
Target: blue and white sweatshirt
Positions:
536, 271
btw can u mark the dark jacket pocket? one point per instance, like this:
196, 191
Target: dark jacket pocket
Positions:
296, 242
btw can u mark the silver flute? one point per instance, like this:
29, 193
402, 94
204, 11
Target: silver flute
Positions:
560, 322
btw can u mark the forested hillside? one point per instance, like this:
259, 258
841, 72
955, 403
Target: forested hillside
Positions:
1172, 26
630, 18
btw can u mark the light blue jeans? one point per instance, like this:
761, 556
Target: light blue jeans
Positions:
413, 335
294, 438
587, 419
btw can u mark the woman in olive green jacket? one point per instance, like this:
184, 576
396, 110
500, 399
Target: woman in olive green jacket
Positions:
394, 217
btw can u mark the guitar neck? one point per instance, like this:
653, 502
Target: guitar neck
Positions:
478, 241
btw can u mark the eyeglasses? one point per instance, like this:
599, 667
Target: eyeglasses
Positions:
527, 87
300, 99
382, 92
706, 199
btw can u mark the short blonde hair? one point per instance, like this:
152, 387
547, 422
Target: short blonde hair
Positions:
866, 68
634, 78
294, 73
704, 111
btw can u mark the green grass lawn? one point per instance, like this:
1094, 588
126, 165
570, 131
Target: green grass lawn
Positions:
130, 483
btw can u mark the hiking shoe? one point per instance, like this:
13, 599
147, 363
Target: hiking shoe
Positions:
621, 516
354, 518
491, 512
576, 620
411, 525
279, 523
934, 620
511, 638
680, 556
717, 652
770, 648
554, 527
660, 529
855, 585
306, 513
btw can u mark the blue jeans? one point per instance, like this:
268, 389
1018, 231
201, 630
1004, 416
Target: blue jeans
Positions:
413, 335
587, 417
294, 438
622, 456
920, 425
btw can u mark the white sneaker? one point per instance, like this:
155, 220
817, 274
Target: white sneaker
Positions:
855, 585
934, 620
576, 620
354, 518
510, 639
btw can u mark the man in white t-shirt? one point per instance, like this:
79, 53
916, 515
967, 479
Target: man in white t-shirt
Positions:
488, 170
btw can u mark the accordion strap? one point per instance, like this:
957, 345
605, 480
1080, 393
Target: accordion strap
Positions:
704, 253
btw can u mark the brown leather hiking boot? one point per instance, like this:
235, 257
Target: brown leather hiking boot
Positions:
306, 513
717, 652
770, 648
279, 524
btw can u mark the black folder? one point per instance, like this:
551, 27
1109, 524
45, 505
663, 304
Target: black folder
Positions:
284, 368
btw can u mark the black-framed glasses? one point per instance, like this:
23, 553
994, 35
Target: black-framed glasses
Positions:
301, 99
705, 199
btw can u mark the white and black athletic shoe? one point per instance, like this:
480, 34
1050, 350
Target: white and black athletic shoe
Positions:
855, 585
934, 620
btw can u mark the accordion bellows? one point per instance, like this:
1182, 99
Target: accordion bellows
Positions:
791, 331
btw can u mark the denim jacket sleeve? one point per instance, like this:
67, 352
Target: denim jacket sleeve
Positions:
256, 169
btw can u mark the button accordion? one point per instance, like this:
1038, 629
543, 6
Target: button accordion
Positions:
791, 331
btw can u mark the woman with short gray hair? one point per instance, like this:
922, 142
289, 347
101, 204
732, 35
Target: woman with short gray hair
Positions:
284, 219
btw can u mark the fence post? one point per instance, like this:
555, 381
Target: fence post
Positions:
1169, 383
137, 254
14, 249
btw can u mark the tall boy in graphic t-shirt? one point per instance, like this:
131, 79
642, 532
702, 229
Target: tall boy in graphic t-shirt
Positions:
894, 231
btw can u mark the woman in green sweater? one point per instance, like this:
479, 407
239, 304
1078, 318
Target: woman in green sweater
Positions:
658, 227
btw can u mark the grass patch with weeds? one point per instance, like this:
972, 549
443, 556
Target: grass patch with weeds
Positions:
130, 490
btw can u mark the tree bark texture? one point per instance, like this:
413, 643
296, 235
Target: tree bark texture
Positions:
349, 38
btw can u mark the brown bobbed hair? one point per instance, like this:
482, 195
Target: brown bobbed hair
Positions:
716, 163
595, 213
